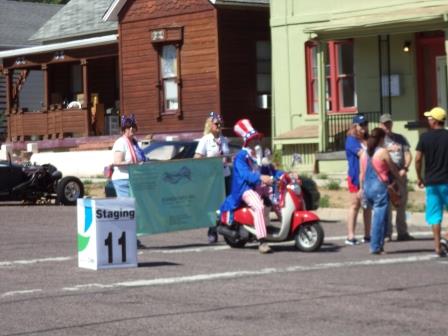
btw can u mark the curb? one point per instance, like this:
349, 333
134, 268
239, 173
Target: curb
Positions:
340, 215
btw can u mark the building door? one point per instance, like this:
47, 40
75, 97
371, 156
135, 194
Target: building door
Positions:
431, 73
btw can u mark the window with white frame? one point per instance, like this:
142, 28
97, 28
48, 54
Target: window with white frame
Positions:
169, 76
168, 42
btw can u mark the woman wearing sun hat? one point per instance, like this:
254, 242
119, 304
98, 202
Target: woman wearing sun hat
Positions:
247, 181
125, 151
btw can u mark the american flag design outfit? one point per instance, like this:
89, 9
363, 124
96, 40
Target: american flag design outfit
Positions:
245, 181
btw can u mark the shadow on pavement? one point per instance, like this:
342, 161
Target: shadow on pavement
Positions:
407, 251
178, 247
157, 264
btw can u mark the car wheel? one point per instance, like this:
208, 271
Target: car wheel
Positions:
69, 189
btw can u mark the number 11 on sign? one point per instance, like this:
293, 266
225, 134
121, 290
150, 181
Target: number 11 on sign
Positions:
108, 242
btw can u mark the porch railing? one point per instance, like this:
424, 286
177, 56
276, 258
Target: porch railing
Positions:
54, 124
339, 123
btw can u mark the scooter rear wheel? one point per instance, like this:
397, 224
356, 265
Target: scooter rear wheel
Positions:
235, 242
309, 237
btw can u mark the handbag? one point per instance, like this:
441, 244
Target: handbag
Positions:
392, 189
394, 194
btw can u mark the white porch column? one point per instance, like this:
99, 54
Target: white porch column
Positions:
323, 125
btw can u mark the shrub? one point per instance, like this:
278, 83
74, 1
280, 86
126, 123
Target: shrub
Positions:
333, 185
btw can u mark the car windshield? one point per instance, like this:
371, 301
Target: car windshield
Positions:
170, 150
165, 152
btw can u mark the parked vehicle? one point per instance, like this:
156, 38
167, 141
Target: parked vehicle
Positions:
173, 150
38, 184
293, 222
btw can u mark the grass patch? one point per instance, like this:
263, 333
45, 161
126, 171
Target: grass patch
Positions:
324, 201
333, 185
94, 189
87, 182
413, 207
322, 176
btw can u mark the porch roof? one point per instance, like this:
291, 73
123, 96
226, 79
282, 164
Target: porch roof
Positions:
89, 42
301, 132
381, 20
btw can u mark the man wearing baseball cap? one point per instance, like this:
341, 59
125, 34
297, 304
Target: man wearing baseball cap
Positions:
433, 147
399, 150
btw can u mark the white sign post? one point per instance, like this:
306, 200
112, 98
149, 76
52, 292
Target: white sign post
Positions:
107, 235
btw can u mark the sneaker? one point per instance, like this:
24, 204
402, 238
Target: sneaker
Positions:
264, 248
444, 245
140, 245
405, 237
352, 242
212, 238
441, 254
212, 235
365, 240
388, 238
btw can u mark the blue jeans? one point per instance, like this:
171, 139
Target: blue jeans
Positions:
121, 187
377, 197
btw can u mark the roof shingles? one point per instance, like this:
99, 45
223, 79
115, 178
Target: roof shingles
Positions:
19, 20
78, 18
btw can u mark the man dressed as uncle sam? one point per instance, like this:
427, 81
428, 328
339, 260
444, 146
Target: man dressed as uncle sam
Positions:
247, 182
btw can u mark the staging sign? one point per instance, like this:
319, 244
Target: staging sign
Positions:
107, 233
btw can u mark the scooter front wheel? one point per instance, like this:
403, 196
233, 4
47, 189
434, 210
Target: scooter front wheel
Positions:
309, 237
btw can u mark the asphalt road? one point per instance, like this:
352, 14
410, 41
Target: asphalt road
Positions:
183, 286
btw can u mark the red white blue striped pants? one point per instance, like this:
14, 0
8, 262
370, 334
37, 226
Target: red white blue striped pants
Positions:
254, 201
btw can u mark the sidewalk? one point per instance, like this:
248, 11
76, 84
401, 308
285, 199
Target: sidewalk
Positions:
335, 214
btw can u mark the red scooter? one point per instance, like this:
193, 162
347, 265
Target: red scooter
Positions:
290, 220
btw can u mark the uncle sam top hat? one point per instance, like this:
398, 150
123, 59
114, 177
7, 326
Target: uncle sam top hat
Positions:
244, 129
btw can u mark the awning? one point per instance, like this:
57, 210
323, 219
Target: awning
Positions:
437, 15
89, 42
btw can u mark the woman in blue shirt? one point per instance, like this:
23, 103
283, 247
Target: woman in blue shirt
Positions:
355, 145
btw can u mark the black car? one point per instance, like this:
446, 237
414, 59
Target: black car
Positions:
37, 184
173, 150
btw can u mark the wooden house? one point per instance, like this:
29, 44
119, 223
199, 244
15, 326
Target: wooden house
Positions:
179, 60
14, 34
76, 72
